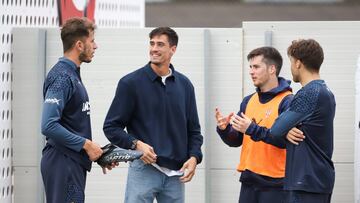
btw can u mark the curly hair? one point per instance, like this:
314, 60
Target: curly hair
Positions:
309, 52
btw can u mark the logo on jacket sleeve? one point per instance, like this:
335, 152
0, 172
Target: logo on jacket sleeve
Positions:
86, 107
52, 101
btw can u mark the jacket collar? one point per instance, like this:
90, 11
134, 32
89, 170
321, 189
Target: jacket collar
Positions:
72, 65
153, 76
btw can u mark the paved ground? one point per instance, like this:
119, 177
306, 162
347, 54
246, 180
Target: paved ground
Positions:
216, 14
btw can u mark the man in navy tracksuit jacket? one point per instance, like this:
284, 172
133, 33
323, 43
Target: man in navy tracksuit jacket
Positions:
69, 151
156, 104
310, 173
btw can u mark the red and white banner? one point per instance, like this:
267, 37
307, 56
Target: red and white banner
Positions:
73, 8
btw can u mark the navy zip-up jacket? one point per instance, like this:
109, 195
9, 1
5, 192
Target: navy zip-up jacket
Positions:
163, 116
234, 138
308, 165
66, 111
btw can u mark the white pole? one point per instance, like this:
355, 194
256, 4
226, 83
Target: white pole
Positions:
357, 134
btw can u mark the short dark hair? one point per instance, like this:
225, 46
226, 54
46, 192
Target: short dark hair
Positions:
170, 33
308, 51
271, 56
75, 29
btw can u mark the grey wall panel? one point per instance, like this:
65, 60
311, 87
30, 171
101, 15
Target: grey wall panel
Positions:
224, 87
224, 75
344, 183
195, 190
28, 71
225, 185
106, 188
25, 184
53, 47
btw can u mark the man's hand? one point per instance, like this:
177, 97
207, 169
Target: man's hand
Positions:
221, 121
110, 167
295, 136
240, 123
188, 169
92, 149
149, 155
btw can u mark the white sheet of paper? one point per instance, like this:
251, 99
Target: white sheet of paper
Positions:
167, 171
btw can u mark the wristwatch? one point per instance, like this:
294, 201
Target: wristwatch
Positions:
133, 145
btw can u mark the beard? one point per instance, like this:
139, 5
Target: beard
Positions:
84, 57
